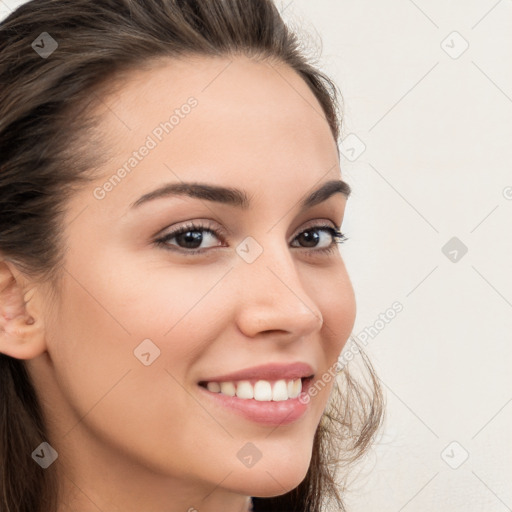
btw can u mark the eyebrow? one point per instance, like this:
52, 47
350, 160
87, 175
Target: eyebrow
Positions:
236, 197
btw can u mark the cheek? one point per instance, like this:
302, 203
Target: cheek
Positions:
140, 313
122, 347
336, 300
334, 297
108, 320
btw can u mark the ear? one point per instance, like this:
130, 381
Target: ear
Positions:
21, 321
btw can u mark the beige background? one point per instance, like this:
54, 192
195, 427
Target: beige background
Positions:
434, 119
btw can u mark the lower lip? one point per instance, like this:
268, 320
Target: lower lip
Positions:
270, 413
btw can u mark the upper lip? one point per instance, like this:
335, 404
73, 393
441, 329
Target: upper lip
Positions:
272, 371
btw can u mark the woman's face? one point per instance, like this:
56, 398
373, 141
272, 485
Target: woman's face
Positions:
140, 326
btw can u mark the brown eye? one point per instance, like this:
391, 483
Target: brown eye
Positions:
190, 239
309, 238
312, 238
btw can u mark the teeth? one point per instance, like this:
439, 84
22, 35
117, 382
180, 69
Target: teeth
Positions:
244, 390
295, 388
214, 387
227, 388
279, 391
262, 390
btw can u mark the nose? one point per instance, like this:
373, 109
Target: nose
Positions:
272, 298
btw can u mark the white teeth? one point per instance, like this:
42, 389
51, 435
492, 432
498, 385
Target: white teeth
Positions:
279, 391
227, 388
262, 391
244, 390
289, 387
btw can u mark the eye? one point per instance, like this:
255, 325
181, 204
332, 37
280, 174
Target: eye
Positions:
312, 238
191, 239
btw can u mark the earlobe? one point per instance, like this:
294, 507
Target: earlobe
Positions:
21, 322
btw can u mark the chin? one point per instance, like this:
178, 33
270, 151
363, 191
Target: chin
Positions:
265, 482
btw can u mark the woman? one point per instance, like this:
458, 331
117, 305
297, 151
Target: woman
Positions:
173, 298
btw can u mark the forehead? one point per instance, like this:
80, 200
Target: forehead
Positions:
226, 121
237, 98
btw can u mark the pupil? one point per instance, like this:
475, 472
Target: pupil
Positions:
310, 238
192, 237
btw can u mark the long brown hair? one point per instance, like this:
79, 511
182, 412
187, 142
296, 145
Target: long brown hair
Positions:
45, 151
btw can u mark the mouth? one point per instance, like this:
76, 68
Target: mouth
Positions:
272, 394
270, 403
259, 390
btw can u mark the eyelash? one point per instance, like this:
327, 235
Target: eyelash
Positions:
338, 238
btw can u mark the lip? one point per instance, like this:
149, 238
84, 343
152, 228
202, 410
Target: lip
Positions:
269, 371
268, 413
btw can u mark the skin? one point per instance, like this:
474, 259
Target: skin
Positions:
132, 437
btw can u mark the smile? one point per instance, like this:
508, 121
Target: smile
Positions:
259, 390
